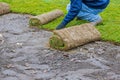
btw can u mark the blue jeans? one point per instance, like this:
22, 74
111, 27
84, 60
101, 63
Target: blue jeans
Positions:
87, 13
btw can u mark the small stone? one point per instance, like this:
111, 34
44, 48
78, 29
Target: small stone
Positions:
19, 44
13, 51
1, 39
30, 72
10, 66
98, 42
84, 50
100, 51
34, 72
90, 50
66, 55
1, 35
45, 71
26, 64
46, 51
74, 59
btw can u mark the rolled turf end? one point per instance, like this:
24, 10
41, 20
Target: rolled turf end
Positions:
34, 22
4, 8
56, 43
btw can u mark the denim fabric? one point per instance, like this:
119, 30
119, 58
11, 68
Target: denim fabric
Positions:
87, 13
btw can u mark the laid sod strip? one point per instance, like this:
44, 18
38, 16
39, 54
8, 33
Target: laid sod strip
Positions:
74, 36
45, 18
4, 8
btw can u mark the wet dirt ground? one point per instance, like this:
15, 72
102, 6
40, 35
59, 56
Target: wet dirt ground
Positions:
24, 55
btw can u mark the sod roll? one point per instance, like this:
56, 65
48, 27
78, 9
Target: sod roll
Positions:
74, 36
4, 8
45, 18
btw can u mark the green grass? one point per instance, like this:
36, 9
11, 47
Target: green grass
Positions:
110, 30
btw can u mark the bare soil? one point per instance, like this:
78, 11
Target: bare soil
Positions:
24, 55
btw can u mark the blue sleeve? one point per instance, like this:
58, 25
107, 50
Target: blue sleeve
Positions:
75, 7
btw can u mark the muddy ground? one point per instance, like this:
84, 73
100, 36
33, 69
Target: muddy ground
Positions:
24, 55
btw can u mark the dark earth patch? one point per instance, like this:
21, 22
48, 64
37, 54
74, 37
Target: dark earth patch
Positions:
25, 55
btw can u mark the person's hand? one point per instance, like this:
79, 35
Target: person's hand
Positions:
60, 26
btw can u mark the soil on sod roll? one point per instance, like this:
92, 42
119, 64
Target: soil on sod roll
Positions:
45, 18
4, 8
72, 37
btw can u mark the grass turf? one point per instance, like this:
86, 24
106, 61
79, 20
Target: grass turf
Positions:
110, 29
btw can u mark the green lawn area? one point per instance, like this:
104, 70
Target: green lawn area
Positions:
110, 29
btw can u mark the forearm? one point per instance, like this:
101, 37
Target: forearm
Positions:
74, 10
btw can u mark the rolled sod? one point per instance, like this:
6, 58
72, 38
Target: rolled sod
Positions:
74, 36
4, 8
45, 18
